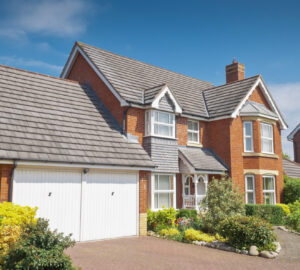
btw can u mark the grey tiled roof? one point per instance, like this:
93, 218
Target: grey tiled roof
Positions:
203, 159
150, 93
129, 77
291, 169
251, 108
43, 118
223, 100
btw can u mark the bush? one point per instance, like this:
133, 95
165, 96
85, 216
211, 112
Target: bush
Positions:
164, 217
291, 190
294, 218
243, 232
222, 201
39, 249
285, 208
13, 219
194, 235
271, 213
187, 213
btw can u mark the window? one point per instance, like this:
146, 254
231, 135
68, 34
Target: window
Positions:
248, 137
187, 185
267, 138
193, 131
250, 188
164, 191
269, 190
160, 124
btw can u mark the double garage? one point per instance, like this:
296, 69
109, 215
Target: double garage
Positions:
91, 204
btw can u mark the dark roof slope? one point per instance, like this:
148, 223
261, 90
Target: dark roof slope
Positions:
223, 100
203, 159
43, 118
290, 168
130, 77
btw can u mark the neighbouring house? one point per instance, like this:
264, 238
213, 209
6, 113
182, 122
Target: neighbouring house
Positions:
94, 154
291, 168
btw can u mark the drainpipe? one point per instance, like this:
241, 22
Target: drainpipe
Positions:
12, 173
124, 119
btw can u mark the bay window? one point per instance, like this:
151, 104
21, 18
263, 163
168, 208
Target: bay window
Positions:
250, 188
193, 131
267, 138
160, 124
163, 191
269, 190
248, 136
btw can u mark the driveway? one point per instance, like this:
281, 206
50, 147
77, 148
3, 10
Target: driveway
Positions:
153, 253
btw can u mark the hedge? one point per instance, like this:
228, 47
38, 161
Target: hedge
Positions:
291, 191
271, 213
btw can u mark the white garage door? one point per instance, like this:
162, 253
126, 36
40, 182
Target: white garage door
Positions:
96, 205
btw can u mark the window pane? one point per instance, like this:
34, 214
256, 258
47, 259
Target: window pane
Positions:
250, 197
186, 191
164, 182
266, 130
268, 183
267, 145
156, 182
190, 135
249, 183
195, 137
190, 125
269, 198
248, 142
162, 199
248, 130
163, 118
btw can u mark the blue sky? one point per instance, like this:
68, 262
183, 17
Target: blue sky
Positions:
196, 38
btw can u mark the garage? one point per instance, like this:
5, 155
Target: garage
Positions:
92, 204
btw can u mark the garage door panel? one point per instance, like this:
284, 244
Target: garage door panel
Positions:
55, 193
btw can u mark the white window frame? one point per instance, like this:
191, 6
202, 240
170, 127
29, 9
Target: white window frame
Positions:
194, 131
270, 190
247, 136
266, 138
153, 191
150, 122
250, 191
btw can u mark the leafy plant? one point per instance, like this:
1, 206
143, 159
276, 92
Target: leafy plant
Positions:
271, 213
187, 214
39, 249
291, 191
294, 218
194, 235
285, 208
223, 200
166, 217
243, 232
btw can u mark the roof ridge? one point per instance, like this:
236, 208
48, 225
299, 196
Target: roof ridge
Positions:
239, 81
79, 42
37, 73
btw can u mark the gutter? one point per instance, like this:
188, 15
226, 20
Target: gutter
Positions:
12, 173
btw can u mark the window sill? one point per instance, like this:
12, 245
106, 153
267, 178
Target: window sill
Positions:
254, 154
162, 137
194, 144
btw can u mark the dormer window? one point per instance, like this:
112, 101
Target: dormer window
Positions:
161, 124
193, 131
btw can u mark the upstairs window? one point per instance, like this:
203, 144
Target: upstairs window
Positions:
161, 124
248, 137
193, 131
267, 138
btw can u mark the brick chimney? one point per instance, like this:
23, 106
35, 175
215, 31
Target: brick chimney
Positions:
235, 72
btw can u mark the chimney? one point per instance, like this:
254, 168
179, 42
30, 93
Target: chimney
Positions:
235, 72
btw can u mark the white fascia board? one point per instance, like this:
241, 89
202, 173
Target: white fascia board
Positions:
71, 165
77, 50
166, 90
292, 134
266, 93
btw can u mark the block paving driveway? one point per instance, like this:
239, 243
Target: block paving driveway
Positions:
153, 253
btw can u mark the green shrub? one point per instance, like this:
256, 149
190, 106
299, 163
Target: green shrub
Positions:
285, 208
222, 201
39, 249
187, 213
291, 191
294, 218
271, 213
194, 235
243, 232
164, 217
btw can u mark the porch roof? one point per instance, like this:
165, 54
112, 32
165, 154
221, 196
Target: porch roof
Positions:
202, 159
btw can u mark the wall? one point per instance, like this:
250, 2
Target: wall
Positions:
296, 144
144, 179
5, 172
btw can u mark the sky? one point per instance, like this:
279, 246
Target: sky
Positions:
196, 38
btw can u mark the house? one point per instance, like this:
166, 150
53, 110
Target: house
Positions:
290, 168
115, 136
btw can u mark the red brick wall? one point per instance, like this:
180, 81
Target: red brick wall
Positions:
143, 190
5, 172
135, 123
181, 130
257, 96
82, 72
297, 147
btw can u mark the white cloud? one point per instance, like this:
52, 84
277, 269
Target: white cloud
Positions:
57, 18
287, 97
20, 62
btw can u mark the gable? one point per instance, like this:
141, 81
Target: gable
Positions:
166, 104
258, 96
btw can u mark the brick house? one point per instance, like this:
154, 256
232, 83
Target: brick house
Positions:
114, 136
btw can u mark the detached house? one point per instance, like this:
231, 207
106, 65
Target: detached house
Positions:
115, 136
